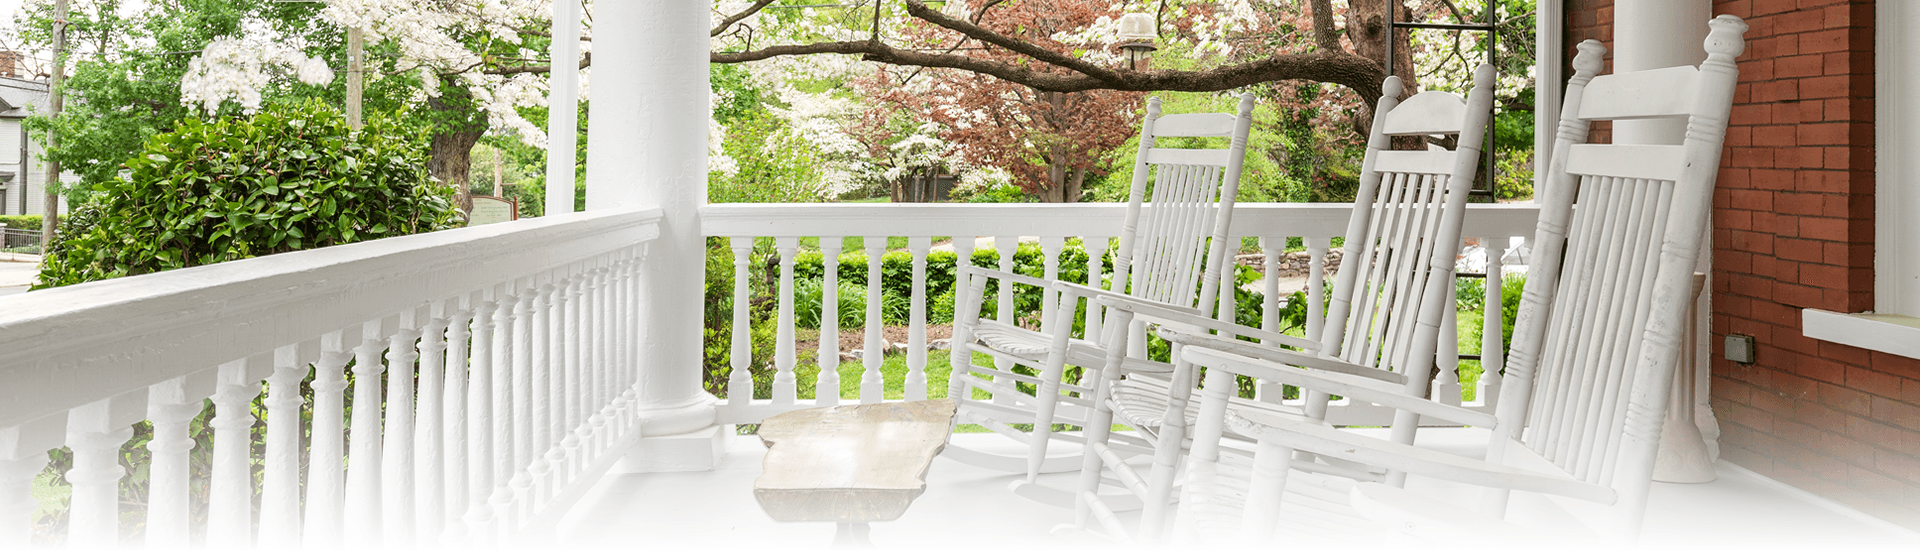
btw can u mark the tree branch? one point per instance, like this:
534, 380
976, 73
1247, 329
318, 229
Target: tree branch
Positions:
586, 60
735, 18
976, 32
1345, 69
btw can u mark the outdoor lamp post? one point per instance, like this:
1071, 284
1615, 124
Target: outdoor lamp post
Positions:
1136, 37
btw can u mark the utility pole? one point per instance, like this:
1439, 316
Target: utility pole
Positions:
356, 67
50, 221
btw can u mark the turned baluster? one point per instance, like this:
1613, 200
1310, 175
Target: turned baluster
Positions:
326, 502
916, 382
93, 512
522, 481
397, 482
479, 426
784, 388
959, 357
363, 525
500, 497
740, 376
1003, 311
597, 368
557, 356
280, 486
828, 390
538, 465
578, 442
170, 411
1493, 328
872, 385
453, 435
429, 462
18, 468
230, 507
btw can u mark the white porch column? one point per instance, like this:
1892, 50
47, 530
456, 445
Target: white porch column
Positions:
1650, 34
647, 146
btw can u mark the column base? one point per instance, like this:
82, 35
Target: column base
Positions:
696, 451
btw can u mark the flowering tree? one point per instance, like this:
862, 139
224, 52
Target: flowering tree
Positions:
1357, 63
468, 68
1048, 141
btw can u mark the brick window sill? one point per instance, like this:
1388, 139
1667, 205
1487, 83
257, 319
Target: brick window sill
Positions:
1882, 332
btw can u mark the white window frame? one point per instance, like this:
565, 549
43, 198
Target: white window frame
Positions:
1894, 324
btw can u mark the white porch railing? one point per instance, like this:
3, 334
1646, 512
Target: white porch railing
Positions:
507, 355
1053, 225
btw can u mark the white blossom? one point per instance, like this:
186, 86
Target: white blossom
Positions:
234, 69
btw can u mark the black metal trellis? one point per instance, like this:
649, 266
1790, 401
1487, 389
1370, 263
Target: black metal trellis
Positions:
1483, 185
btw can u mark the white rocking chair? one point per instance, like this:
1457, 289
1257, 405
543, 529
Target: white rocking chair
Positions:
1167, 237
1603, 309
1382, 325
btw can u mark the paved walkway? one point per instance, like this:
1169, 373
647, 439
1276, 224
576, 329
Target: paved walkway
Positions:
16, 276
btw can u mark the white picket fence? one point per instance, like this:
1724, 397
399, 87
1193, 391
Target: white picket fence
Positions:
1053, 225
507, 354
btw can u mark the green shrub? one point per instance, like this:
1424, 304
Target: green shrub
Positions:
21, 222
294, 177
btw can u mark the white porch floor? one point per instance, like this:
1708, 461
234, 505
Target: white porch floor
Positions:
968, 507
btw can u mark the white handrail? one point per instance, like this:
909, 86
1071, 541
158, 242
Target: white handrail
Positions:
486, 455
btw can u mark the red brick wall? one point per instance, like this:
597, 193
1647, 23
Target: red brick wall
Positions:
1793, 229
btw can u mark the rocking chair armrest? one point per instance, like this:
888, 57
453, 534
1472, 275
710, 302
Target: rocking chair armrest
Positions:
1188, 337
1183, 315
1326, 440
1334, 383
974, 270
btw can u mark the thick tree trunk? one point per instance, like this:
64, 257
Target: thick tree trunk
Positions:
459, 128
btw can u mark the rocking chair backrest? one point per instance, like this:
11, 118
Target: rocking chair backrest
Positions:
1399, 250
1605, 304
1167, 240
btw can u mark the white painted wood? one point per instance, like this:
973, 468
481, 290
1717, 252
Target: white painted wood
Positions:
539, 466
521, 480
739, 380
1655, 162
325, 518
479, 426
397, 483
828, 391
1896, 271
17, 503
1493, 313
1188, 157
1882, 332
280, 485
170, 410
460, 330
93, 514
123, 335
872, 386
939, 220
784, 388
1422, 162
916, 381
1195, 125
429, 449
230, 500
1605, 354
1426, 113
1642, 94
364, 515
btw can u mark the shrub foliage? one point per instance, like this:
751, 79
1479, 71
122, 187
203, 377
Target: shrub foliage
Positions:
293, 177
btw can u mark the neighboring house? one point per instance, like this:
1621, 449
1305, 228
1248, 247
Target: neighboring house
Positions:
1812, 227
23, 176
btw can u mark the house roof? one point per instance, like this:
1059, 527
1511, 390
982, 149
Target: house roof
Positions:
20, 98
